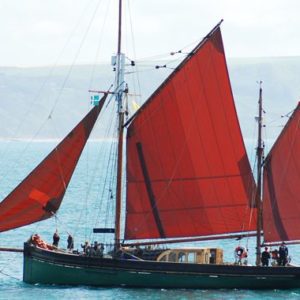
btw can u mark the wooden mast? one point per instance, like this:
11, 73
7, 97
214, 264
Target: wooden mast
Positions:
119, 90
259, 153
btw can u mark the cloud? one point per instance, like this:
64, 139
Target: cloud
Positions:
34, 32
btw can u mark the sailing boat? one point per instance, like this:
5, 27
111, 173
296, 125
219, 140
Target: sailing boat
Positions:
188, 178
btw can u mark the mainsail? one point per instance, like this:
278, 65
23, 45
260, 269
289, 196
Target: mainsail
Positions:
39, 195
187, 169
281, 206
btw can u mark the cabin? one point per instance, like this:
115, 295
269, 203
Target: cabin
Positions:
193, 256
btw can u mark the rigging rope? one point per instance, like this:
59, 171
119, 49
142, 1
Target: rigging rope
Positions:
10, 276
8, 261
75, 58
38, 95
109, 182
101, 155
136, 79
99, 44
68, 76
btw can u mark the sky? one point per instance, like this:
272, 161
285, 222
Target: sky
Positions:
59, 32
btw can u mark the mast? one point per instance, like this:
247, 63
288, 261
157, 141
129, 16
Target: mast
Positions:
119, 90
259, 153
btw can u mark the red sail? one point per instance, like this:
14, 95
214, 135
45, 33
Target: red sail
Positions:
281, 206
40, 194
187, 169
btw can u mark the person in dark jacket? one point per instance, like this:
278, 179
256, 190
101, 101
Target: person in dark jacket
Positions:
283, 254
56, 238
70, 241
265, 257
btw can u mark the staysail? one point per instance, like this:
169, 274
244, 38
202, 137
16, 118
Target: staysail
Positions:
187, 169
39, 195
281, 205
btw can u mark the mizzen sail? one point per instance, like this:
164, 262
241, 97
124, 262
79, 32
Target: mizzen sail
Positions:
39, 195
281, 205
187, 169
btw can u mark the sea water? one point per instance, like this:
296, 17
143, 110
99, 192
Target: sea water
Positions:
77, 215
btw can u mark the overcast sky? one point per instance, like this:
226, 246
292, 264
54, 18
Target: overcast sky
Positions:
47, 32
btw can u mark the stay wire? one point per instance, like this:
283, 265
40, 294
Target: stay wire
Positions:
58, 221
73, 64
99, 44
108, 181
106, 194
91, 183
89, 188
75, 58
8, 262
10, 276
42, 88
136, 79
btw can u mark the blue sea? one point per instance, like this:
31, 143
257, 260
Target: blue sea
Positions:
81, 210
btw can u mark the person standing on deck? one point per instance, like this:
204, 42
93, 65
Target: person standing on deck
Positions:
56, 238
70, 241
283, 254
265, 257
86, 248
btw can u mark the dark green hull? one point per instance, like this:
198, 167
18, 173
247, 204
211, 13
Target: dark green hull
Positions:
48, 267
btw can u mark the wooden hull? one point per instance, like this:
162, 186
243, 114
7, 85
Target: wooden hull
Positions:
48, 267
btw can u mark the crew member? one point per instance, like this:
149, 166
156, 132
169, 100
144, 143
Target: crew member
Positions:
265, 257
86, 248
56, 238
240, 255
283, 254
70, 241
